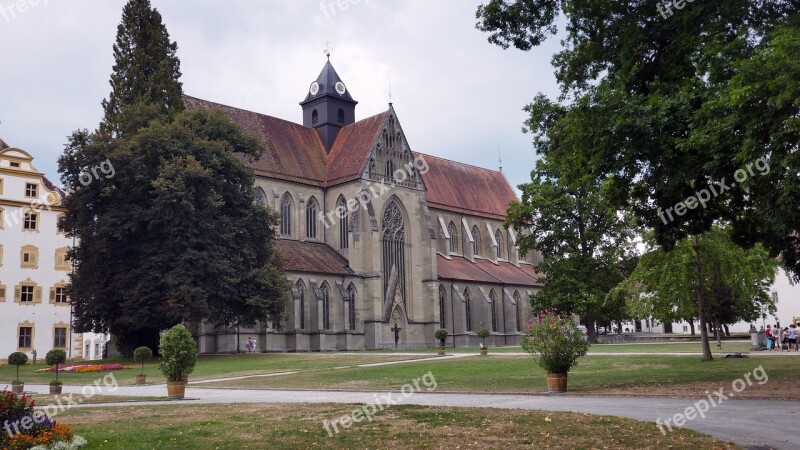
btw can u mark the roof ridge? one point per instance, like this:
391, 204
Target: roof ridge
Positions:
459, 163
247, 110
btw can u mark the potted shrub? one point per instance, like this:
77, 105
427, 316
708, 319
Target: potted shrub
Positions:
55, 358
142, 355
441, 335
556, 343
17, 359
483, 333
178, 356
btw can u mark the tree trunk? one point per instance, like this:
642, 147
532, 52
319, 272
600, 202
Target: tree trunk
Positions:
727, 331
590, 330
691, 326
701, 302
718, 329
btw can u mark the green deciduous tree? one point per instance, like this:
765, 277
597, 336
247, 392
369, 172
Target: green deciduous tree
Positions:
735, 281
584, 243
641, 88
168, 231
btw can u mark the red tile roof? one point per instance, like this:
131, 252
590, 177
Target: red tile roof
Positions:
483, 271
467, 189
351, 150
311, 257
293, 152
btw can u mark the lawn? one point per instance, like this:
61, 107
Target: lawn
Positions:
644, 347
642, 374
208, 367
300, 426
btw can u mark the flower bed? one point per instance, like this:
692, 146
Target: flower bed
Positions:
85, 368
28, 429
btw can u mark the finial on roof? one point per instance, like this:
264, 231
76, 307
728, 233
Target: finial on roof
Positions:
499, 157
328, 49
390, 88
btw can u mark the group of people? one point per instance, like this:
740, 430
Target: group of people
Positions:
785, 339
252, 345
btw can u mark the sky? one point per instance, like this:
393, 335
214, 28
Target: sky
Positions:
456, 95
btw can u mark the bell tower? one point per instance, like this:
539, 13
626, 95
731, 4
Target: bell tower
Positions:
328, 106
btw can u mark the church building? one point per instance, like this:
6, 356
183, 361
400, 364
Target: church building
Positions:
382, 245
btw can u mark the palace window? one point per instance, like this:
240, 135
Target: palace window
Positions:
29, 257
31, 221
286, 215
476, 241
61, 295
394, 249
311, 218
468, 308
26, 294
25, 337
341, 211
60, 337
31, 190
14, 164
453, 232
442, 300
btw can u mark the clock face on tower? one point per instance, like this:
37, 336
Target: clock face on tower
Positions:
340, 89
314, 89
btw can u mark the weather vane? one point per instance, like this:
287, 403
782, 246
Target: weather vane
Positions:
328, 49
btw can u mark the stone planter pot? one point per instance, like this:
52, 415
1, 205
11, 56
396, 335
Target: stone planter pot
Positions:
141, 379
56, 388
557, 382
176, 390
440, 352
484, 351
17, 388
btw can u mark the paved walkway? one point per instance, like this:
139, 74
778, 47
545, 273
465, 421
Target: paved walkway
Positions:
750, 423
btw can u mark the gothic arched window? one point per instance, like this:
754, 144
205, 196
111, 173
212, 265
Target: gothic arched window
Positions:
394, 234
301, 293
493, 301
498, 236
261, 199
311, 218
468, 308
351, 310
516, 301
476, 241
326, 307
341, 211
453, 232
442, 300
286, 215
389, 169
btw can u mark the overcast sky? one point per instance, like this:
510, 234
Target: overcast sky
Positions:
456, 95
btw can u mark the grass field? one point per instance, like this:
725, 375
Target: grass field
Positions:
209, 367
654, 374
646, 347
300, 426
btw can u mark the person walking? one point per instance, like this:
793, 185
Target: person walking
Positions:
770, 337
792, 338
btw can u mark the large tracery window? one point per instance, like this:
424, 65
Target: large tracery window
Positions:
286, 215
311, 218
341, 210
442, 299
453, 232
394, 248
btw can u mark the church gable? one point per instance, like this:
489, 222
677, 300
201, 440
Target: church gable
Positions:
391, 160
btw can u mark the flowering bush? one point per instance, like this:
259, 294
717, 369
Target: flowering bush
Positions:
25, 428
84, 368
554, 341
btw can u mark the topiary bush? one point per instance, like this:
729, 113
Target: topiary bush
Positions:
178, 353
483, 333
142, 355
17, 359
56, 358
441, 335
